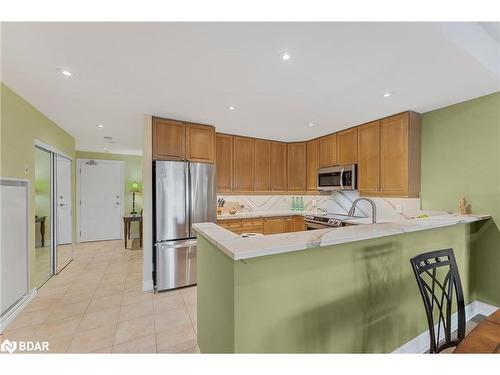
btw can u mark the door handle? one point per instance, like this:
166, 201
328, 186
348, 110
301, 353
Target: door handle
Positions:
342, 178
187, 200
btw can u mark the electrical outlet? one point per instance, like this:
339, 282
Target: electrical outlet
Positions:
314, 203
399, 208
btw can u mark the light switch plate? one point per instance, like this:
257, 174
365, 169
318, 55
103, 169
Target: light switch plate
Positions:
399, 208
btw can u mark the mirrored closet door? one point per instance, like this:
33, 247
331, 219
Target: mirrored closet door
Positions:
53, 213
44, 262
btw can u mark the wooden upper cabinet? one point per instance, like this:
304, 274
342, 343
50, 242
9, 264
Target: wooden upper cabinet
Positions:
394, 154
312, 159
278, 166
296, 166
177, 140
328, 150
200, 143
262, 173
369, 158
168, 139
347, 146
400, 155
243, 163
224, 161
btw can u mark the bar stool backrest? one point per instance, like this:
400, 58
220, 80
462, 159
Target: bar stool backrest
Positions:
439, 282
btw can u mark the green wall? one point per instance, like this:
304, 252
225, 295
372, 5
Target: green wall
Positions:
461, 157
132, 170
21, 124
358, 297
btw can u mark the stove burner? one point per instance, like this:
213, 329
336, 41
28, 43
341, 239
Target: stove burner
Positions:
327, 221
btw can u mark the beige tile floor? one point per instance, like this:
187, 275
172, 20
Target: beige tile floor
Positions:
42, 265
96, 305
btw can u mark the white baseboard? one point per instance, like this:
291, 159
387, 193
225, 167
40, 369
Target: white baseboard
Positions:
420, 344
147, 285
16, 309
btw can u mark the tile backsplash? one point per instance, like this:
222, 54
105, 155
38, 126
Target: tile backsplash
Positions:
337, 202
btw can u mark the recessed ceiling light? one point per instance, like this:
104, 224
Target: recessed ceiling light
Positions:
66, 73
231, 107
387, 94
100, 125
285, 56
310, 124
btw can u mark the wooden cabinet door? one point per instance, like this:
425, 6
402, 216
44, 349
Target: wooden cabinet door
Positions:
299, 223
262, 173
347, 147
312, 159
369, 158
224, 162
394, 154
200, 143
243, 163
328, 150
168, 139
296, 170
288, 224
278, 166
274, 225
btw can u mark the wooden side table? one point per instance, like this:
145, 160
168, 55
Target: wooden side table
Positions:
127, 220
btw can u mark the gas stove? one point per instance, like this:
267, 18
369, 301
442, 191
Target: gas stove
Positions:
327, 221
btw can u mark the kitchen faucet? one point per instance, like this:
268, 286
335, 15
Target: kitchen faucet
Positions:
374, 208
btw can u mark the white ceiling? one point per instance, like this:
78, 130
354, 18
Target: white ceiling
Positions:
336, 77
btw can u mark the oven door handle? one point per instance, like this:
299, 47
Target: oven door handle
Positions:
342, 178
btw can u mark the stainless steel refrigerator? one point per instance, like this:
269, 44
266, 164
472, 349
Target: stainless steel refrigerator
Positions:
185, 194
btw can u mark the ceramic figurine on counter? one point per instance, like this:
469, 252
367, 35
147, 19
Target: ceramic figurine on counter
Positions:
463, 207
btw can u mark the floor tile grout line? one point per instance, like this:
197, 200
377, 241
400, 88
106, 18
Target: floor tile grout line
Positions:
81, 319
154, 324
127, 264
191, 319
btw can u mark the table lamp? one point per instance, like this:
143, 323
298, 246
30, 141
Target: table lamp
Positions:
134, 189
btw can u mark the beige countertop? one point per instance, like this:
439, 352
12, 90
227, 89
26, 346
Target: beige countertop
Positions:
239, 248
257, 214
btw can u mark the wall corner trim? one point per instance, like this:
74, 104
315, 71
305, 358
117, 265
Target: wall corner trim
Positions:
16, 309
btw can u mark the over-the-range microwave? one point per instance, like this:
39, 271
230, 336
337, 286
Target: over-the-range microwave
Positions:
341, 177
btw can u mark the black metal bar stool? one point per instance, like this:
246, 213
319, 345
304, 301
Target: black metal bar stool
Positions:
438, 279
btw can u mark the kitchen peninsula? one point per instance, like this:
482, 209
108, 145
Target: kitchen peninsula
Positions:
340, 290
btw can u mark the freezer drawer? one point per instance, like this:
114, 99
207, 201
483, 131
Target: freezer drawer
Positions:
175, 264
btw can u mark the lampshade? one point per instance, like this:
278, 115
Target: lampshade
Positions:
135, 187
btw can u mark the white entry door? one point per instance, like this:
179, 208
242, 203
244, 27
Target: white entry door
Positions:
101, 188
63, 200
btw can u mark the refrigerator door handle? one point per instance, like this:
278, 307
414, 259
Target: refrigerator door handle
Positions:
188, 200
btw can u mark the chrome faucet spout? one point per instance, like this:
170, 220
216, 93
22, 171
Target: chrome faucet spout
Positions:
372, 203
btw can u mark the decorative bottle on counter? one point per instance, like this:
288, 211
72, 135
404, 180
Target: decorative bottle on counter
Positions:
294, 205
301, 204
